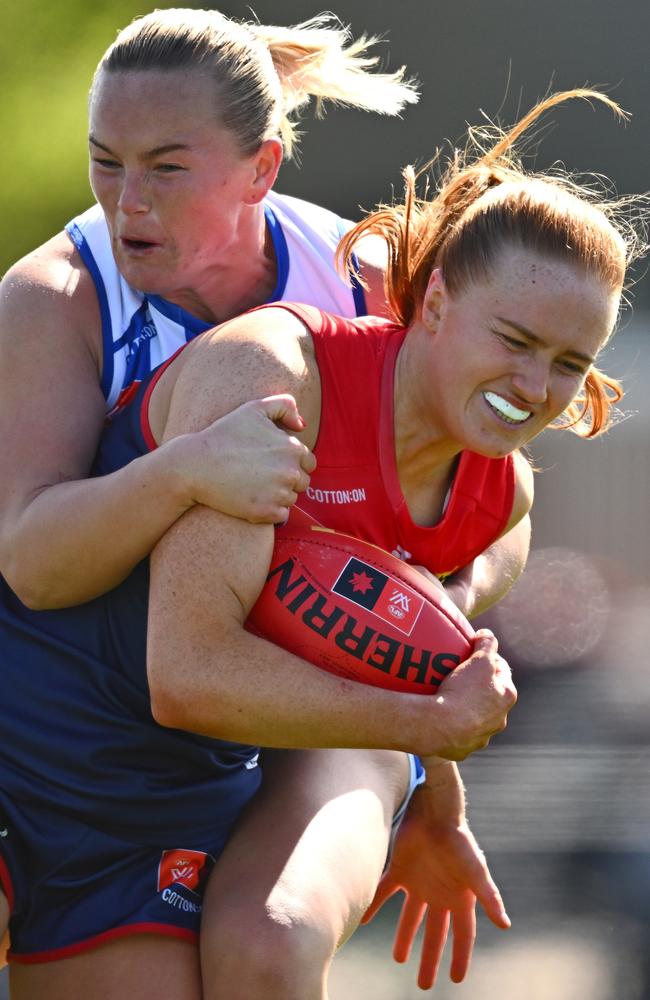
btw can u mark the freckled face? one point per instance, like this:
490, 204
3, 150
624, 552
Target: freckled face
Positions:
172, 182
509, 353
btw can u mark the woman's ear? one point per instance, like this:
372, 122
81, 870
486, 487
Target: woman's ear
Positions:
267, 162
433, 300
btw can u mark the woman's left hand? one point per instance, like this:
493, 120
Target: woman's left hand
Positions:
442, 872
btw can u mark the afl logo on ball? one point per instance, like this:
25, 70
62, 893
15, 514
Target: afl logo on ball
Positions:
371, 589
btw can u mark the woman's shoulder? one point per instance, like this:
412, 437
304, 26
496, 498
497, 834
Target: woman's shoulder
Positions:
264, 352
262, 340
48, 284
55, 266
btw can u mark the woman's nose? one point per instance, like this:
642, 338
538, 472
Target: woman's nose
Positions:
133, 196
531, 379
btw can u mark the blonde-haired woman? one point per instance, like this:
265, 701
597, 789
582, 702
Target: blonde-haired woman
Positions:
189, 121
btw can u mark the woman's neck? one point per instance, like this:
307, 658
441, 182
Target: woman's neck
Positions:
426, 460
245, 278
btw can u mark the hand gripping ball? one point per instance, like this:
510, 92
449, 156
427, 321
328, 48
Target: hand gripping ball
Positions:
353, 609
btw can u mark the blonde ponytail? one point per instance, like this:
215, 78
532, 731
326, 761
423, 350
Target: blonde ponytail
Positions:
318, 59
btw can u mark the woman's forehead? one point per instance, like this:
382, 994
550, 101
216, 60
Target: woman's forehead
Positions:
171, 91
515, 267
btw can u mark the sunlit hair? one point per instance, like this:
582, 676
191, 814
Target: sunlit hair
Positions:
485, 201
262, 73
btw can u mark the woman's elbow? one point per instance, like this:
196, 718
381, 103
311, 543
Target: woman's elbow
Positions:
167, 708
174, 704
29, 585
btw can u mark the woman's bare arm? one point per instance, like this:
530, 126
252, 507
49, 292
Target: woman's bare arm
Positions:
65, 538
206, 673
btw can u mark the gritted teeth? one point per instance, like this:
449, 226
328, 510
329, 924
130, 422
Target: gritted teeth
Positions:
505, 409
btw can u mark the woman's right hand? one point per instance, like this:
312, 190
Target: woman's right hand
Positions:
475, 699
249, 464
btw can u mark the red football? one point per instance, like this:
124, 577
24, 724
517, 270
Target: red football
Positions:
353, 609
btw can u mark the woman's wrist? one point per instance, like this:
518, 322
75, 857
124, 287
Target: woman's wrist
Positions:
441, 798
172, 467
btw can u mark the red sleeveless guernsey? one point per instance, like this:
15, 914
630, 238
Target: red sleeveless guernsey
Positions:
355, 487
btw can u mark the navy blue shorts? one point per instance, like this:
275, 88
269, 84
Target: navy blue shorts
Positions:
71, 887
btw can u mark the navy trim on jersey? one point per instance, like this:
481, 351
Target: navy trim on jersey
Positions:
137, 337
134, 329
191, 324
281, 253
87, 257
358, 293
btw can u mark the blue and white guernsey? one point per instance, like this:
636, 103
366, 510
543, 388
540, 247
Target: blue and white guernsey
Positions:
141, 331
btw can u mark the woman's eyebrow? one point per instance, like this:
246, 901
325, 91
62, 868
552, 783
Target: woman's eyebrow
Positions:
169, 147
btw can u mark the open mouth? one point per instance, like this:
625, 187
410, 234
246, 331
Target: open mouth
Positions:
137, 244
505, 410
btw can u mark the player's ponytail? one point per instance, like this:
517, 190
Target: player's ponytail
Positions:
318, 59
593, 409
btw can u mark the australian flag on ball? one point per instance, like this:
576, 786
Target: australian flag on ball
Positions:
391, 600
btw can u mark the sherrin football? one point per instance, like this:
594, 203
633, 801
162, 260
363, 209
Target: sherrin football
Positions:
353, 609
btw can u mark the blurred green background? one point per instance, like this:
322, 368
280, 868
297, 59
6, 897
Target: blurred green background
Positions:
561, 801
47, 56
